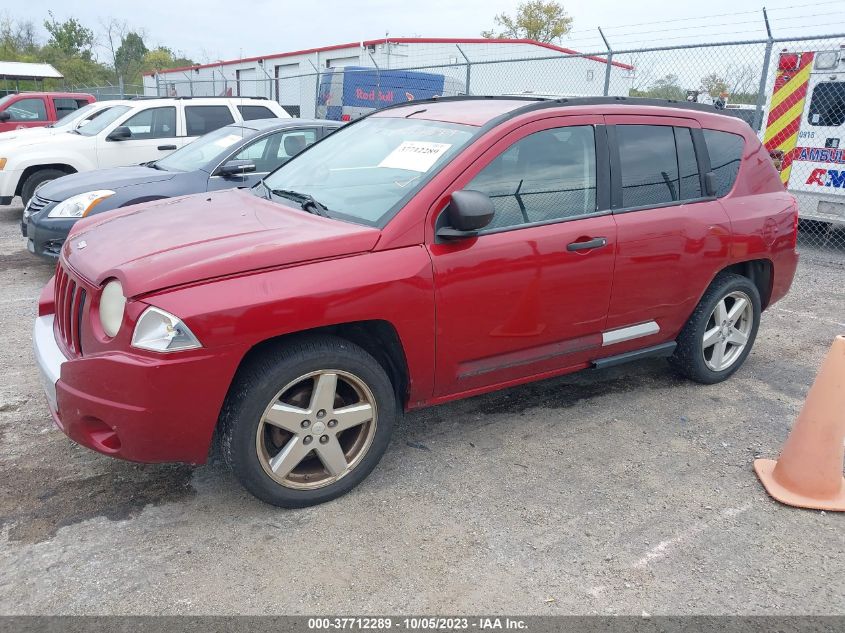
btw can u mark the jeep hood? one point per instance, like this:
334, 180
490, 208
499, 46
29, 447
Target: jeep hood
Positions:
115, 179
166, 243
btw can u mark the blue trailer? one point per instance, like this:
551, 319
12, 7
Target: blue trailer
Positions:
353, 91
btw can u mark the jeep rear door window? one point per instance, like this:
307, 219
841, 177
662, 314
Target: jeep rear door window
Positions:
546, 176
687, 164
153, 123
827, 106
649, 165
365, 171
204, 119
251, 112
725, 151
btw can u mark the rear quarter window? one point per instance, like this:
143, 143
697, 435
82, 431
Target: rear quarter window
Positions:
725, 150
252, 112
204, 119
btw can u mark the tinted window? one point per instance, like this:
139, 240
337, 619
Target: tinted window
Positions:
649, 165
65, 107
250, 112
153, 123
725, 151
204, 119
28, 110
687, 164
827, 107
548, 175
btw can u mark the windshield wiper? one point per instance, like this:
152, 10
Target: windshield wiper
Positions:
306, 202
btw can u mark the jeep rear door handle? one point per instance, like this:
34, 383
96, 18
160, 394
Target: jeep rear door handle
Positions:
596, 242
165, 147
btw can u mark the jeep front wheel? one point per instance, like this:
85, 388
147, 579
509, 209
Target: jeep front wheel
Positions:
306, 422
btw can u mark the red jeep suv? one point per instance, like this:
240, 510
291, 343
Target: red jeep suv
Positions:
430, 251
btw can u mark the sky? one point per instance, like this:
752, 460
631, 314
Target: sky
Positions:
211, 30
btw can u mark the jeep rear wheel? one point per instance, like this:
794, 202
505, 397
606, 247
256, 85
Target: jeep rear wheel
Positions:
308, 421
720, 333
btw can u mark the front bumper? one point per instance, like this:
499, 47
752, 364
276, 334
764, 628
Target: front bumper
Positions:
136, 407
8, 184
45, 237
48, 356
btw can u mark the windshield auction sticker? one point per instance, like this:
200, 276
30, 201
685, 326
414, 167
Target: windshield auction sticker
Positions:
415, 155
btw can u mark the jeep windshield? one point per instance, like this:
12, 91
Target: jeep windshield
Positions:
366, 172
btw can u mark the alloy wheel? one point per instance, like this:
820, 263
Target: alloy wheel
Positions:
728, 330
316, 429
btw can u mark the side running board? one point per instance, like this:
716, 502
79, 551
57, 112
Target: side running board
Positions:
657, 351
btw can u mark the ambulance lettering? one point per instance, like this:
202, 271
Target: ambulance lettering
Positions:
827, 178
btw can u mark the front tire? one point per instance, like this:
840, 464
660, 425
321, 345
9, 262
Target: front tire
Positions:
37, 180
307, 421
721, 331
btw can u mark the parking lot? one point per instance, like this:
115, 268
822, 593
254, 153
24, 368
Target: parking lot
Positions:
615, 492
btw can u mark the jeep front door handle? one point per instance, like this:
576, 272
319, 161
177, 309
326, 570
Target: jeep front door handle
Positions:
166, 147
596, 242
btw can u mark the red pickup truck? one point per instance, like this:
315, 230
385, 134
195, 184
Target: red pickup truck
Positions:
427, 252
36, 109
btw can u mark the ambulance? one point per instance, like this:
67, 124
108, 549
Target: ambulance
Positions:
805, 131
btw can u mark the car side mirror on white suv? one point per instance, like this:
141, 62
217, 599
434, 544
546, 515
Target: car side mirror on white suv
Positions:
120, 133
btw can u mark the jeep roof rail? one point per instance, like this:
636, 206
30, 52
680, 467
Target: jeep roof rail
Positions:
535, 102
148, 97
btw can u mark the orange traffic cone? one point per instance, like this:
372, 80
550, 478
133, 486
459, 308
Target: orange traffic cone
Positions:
809, 471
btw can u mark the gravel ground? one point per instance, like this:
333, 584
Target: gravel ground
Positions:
612, 492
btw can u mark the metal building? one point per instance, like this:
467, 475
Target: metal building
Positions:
293, 78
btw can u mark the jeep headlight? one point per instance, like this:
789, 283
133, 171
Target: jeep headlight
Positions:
160, 331
112, 304
79, 206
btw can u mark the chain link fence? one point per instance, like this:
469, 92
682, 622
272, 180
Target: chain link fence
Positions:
790, 91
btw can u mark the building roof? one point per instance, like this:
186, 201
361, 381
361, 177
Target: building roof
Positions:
397, 40
25, 70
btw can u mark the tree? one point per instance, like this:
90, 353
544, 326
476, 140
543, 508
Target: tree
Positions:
69, 38
162, 58
534, 20
666, 87
714, 84
129, 57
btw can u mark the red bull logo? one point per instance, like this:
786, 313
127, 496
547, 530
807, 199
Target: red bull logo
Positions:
827, 178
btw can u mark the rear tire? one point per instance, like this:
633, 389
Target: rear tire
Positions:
36, 180
307, 420
720, 332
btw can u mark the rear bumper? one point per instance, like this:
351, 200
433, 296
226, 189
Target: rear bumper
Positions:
135, 407
785, 265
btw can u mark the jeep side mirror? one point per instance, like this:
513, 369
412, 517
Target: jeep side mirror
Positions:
468, 212
5, 116
120, 133
235, 168
710, 184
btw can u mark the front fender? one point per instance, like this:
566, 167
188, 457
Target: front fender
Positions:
395, 286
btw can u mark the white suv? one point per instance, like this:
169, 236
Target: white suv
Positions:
133, 132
